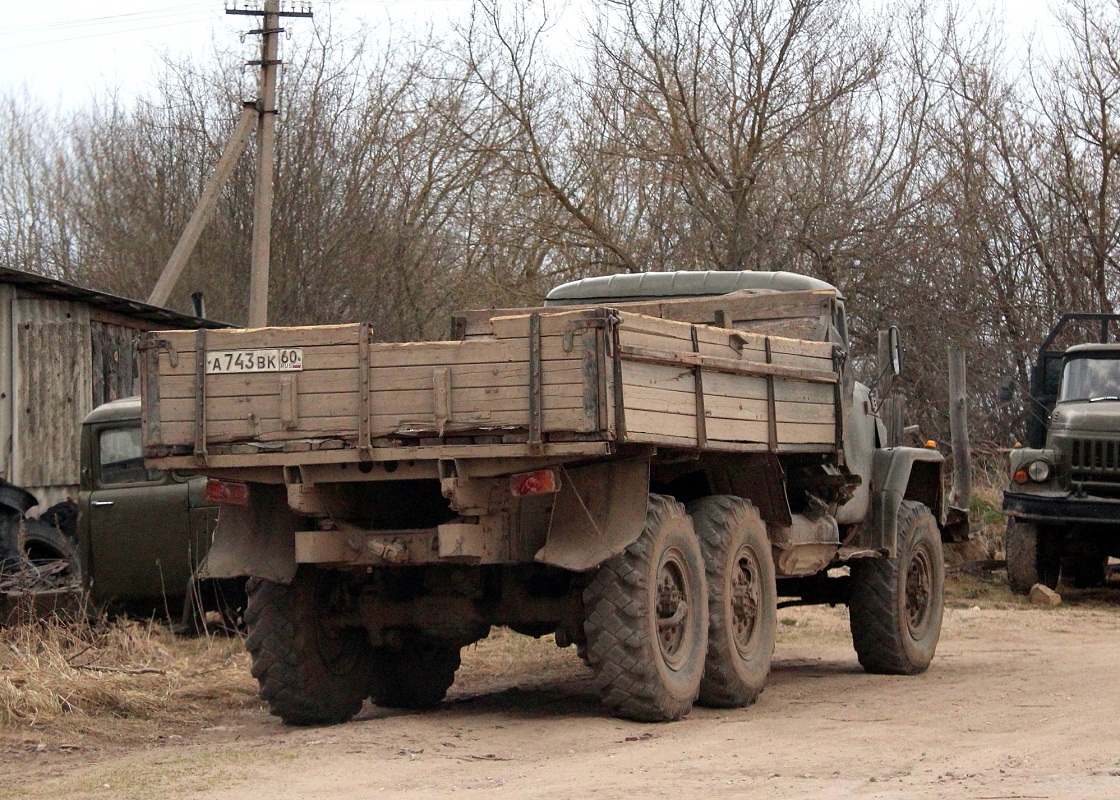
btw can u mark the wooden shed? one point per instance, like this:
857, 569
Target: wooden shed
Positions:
64, 350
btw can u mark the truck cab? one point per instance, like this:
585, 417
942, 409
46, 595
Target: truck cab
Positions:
143, 532
1063, 498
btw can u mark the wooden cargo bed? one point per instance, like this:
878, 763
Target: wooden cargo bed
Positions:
552, 381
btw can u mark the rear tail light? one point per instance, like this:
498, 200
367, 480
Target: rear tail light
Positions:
542, 481
226, 493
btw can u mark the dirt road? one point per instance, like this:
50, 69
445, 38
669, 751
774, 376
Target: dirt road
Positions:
1020, 702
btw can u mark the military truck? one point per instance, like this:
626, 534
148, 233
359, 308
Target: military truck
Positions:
641, 467
143, 532
1063, 497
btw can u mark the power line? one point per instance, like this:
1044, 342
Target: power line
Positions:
101, 34
109, 19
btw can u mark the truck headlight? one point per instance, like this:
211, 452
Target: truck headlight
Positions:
1039, 471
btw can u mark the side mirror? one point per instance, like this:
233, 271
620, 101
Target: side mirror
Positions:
894, 351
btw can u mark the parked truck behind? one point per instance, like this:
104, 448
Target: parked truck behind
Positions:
1063, 496
641, 468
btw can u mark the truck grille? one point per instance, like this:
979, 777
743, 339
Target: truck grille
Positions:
1095, 460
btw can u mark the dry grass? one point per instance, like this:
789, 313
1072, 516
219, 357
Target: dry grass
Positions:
116, 682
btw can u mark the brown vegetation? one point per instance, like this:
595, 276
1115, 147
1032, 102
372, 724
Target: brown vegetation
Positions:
115, 682
944, 177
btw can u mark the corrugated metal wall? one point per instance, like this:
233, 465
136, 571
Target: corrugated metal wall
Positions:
52, 392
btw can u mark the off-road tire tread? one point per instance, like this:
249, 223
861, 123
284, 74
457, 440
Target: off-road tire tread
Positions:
713, 517
291, 681
619, 647
873, 608
1020, 544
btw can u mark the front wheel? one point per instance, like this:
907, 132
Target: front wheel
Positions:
1031, 556
896, 604
311, 669
647, 619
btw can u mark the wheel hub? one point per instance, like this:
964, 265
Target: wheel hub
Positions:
673, 616
919, 589
746, 597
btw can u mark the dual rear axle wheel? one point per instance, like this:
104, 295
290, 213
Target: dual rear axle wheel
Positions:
688, 613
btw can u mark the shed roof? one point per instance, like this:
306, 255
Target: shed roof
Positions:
40, 284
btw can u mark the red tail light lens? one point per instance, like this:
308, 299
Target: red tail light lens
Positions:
226, 493
543, 481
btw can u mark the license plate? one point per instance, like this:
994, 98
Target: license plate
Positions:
288, 359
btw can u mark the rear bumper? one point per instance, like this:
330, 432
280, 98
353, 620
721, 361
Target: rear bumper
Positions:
1056, 507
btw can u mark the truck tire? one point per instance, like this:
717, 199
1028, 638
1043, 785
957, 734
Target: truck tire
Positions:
647, 619
310, 672
742, 600
417, 676
1030, 559
48, 556
896, 603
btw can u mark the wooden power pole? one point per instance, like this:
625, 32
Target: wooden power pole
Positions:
263, 113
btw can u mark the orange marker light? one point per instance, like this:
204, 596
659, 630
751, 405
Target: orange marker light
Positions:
931, 443
1021, 476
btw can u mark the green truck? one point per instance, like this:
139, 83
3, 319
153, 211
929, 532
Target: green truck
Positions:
1063, 497
142, 533
640, 468
133, 541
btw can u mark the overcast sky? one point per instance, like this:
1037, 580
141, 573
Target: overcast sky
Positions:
62, 50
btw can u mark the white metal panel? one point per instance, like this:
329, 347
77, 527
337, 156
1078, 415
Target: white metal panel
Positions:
52, 393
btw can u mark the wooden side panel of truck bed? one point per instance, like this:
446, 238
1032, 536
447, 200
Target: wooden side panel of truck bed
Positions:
588, 375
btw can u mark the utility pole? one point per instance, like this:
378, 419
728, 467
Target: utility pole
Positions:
262, 113
269, 32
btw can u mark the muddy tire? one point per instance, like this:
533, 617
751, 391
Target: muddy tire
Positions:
310, 672
1030, 559
416, 676
647, 619
742, 600
896, 604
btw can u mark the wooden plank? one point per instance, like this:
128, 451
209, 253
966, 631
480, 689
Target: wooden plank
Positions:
788, 432
675, 428
471, 351
237, 385
263, 406
265, 430
301, 336
728, 365
577, 450
464, 376
736, 408
661, 376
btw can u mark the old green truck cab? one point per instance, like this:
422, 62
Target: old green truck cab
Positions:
1063, 498
143, 533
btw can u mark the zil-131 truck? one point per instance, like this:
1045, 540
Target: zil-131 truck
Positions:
641, 467
1063, 499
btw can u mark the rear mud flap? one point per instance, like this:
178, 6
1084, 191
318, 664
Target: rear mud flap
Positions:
257, 540
601, 510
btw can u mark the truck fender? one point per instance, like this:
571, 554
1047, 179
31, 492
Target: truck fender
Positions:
257, 540
897, 474
599, 512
